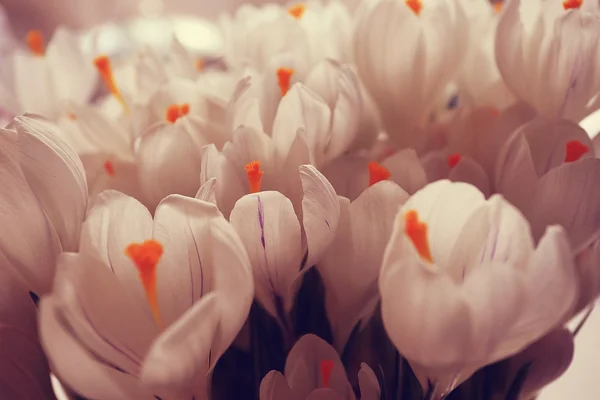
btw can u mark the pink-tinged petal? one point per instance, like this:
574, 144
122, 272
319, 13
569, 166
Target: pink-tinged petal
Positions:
274, 387
320, 213
72, 73
80, 369
210, 163
114, 222
368, 383
406, 170
33, 243
348, 175
350, 267
56, 175
33, 84
587, 261
435, 164
289, 180
207, 191
552, 292
325, 394
178, 363
169, 158
105, 172
24, 370
596, 142
304, 364
515, 177
469, 171
244, 107
568, 195
269, 228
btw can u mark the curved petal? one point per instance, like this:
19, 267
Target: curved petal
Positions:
274, 387
469, 171
368, 383
406, 170
207, 191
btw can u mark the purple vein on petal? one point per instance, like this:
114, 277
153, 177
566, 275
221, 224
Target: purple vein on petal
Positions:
261, 221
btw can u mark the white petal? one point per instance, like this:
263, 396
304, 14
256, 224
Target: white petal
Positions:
274, 387
207, 191
406, 170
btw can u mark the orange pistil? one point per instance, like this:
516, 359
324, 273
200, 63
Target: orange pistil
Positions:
417, 233
200, 64
104, 68
454, 159
572, 4
176, 111
575, 150
72, 116
254, 176
109, 168
415, 5
145, 256
498, 6
377, 173
35, 42
297, 10
326, 369
284, 79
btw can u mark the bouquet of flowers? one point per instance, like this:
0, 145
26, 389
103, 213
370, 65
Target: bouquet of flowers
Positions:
395, 203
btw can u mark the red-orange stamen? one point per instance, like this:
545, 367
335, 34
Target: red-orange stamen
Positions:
104, 68
326, 369
377, 173
415, 5
498, 6
254, 176
176, 111
284, 79
200, 64
417, 233
454, 159
575, 150
572, 4
35, 42
109, 168
297, 10
146, 256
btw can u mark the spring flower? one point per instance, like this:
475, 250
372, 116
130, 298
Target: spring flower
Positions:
44, 199
149, 304
546, 52
463, 285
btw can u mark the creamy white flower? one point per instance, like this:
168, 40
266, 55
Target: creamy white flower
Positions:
41, 79
463, 285
314, 371
548, 55
184, 271
43, 201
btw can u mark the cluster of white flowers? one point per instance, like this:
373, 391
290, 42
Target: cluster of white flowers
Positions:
394, 203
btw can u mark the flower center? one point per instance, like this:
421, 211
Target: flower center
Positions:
377, 173
176, 111
254, 176
415, 5
416, 231
109, 168
104, 68
35, 42
145, 256
498, 5
200, 64
284, 79
572, 4
574, 150
297, 10
326, 368
454, 159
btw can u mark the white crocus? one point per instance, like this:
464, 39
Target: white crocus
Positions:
149, 304
463, 284
406, 53
43, 201
314, 371
42, 78
547, 52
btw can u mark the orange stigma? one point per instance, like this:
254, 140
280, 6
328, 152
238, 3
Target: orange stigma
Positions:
417, 233
574, 150
297, 10
145, 256
415, 5
326, 369
109, 168
176, 111
572, 4
200, 64
454, 159
498, 6
104, 68
35, 42
284, 79
377, 173
254, 176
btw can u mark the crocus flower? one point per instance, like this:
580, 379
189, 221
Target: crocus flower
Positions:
149, 304
463, 284
44, 199
546, 52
